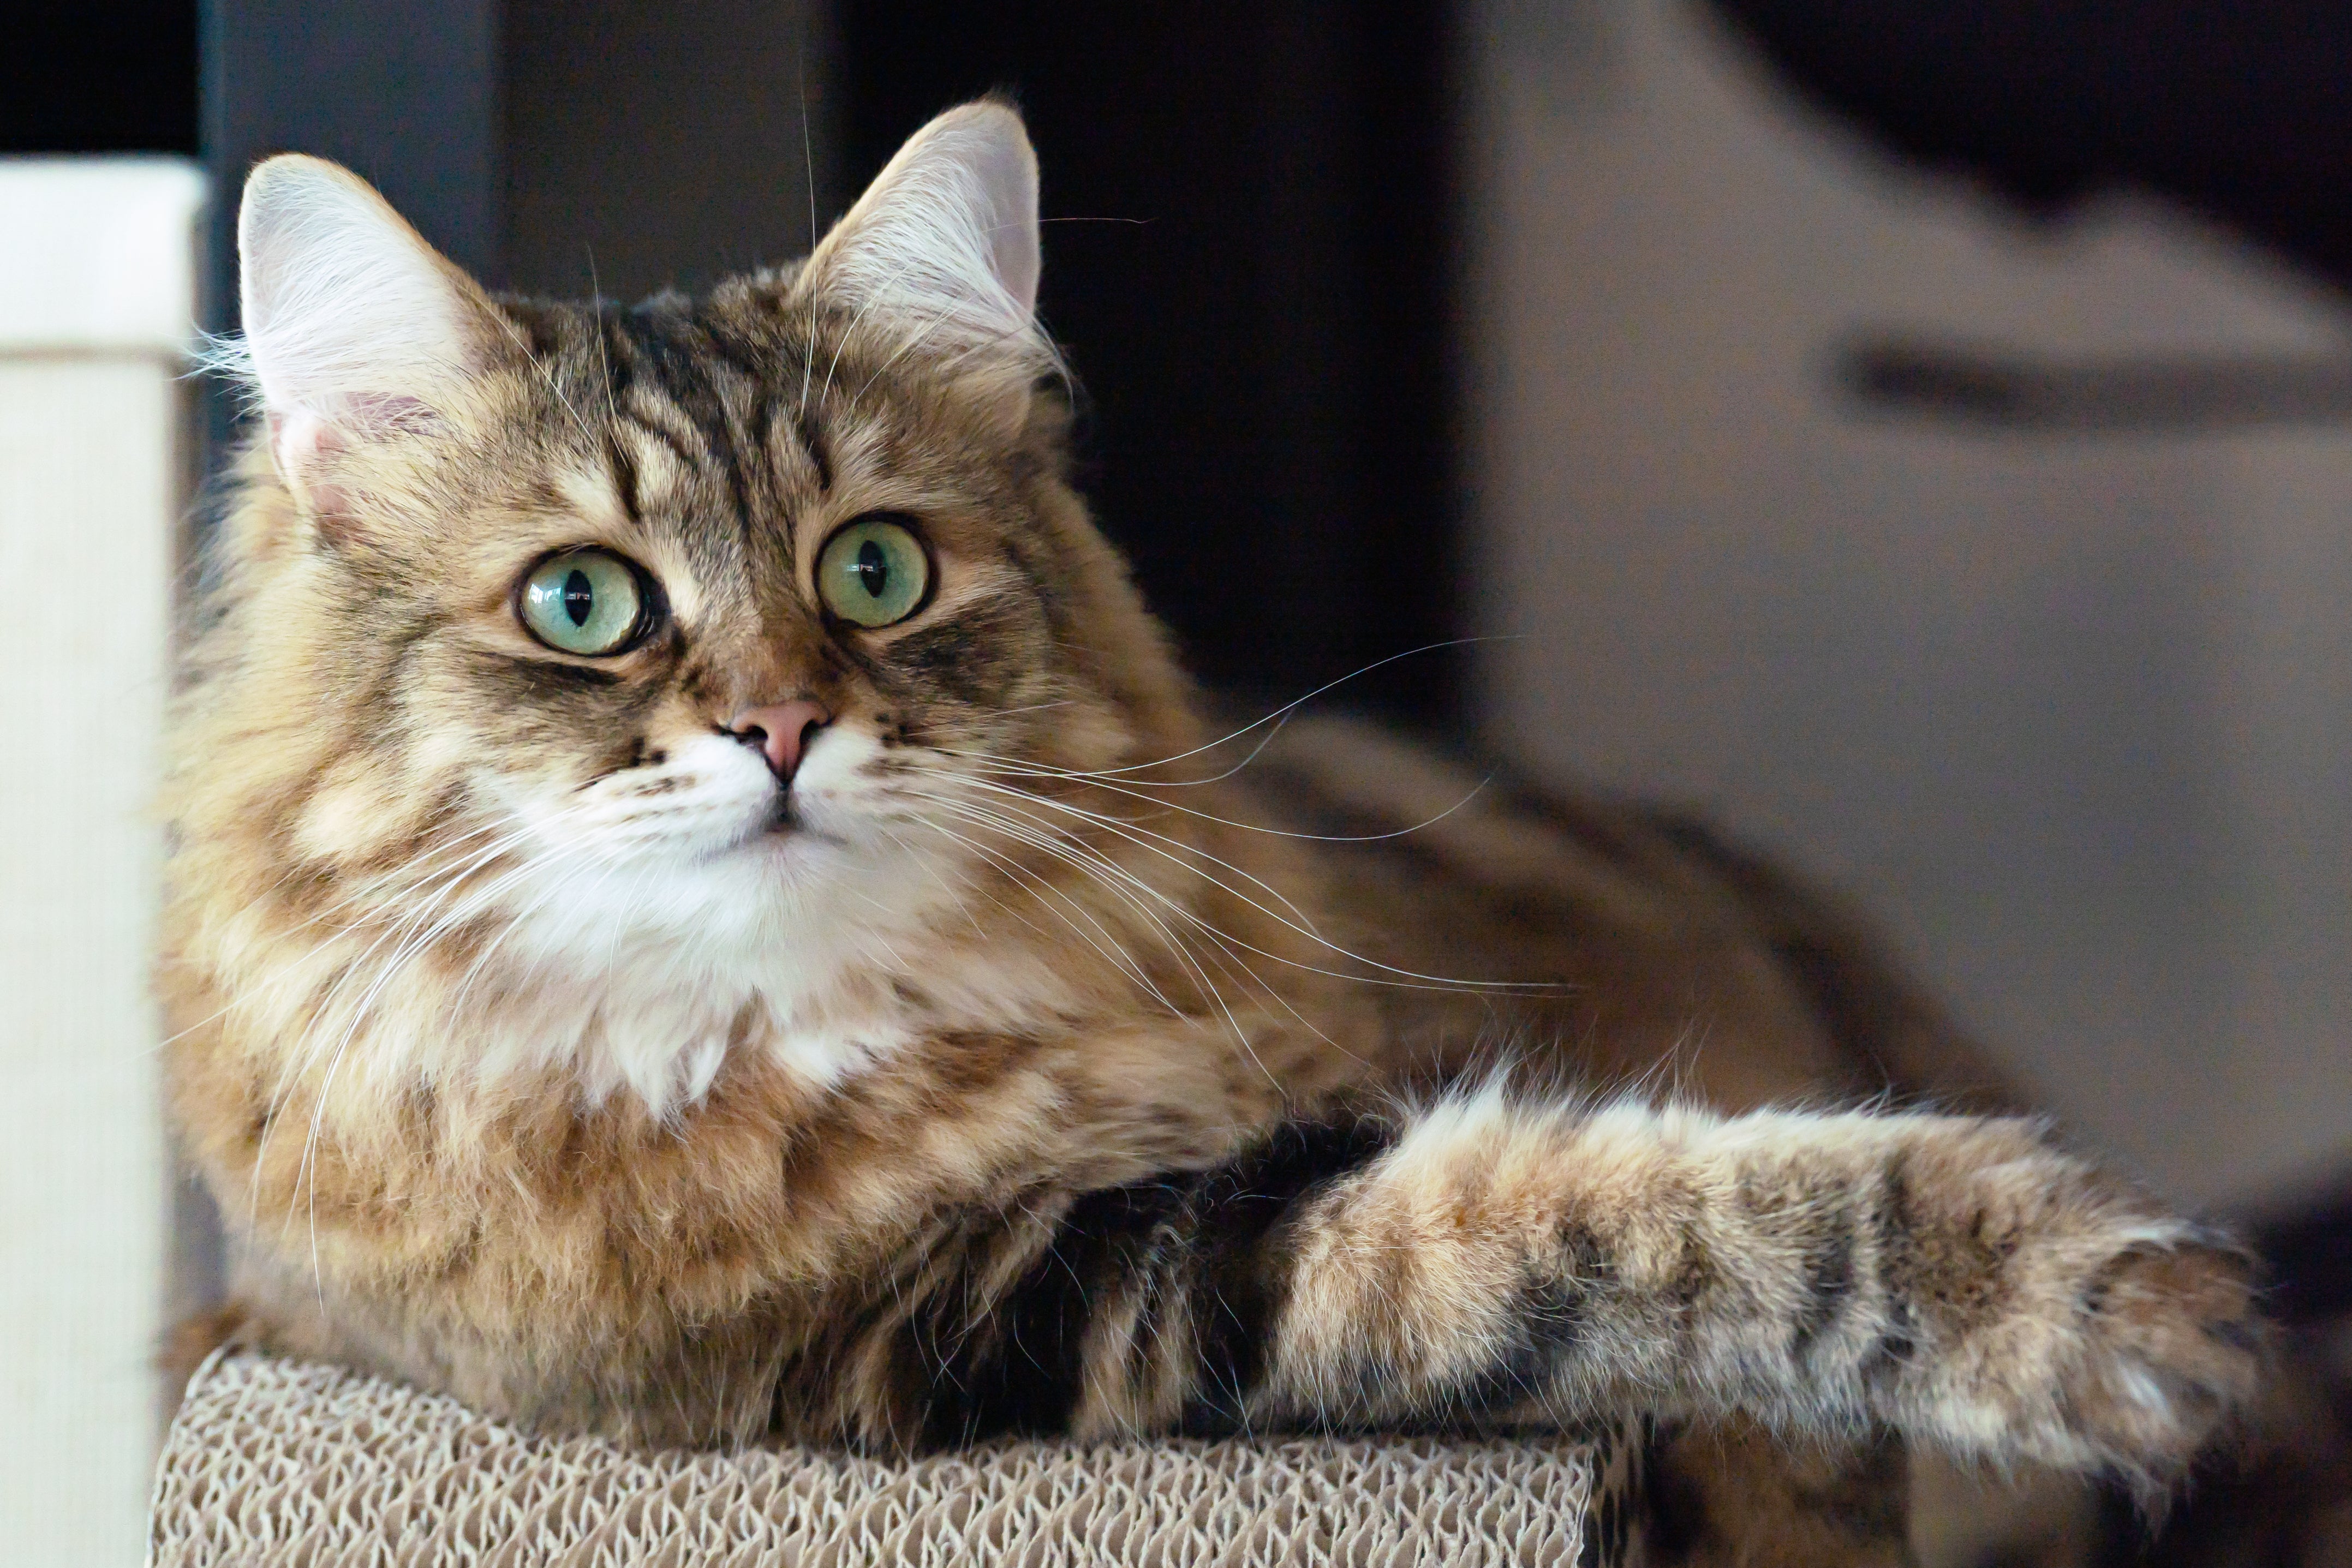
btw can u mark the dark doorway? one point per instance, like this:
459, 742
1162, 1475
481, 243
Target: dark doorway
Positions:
118, 77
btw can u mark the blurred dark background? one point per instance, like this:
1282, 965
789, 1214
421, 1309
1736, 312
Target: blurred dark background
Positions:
1256, 253
1250, 262
1249, 259
118, 77
2240, 110
1256, 256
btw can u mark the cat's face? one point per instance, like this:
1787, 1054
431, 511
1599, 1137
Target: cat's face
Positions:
598, 630
713, 629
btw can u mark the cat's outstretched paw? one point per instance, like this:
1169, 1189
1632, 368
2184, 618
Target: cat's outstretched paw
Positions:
2172, 1351
2093, 1331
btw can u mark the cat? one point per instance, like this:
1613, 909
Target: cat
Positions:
704, 908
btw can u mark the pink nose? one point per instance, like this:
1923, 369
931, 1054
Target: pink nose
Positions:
781, 732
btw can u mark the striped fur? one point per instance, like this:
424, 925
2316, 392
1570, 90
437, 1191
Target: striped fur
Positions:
1045, 1058
1491, 1259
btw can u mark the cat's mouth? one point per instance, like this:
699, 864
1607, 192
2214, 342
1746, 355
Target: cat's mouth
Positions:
785, 818
784, 815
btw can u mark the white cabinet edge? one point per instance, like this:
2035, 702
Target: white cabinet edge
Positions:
99, 254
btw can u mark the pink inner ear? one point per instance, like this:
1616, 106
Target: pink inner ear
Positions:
390, 412
297, 436
297, 442
295, 439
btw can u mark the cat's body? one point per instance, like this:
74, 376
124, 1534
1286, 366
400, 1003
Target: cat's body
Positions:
781, 1024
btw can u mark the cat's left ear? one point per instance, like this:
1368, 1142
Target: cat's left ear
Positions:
942, 252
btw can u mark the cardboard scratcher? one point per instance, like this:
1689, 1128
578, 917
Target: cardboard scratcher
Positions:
275, 1461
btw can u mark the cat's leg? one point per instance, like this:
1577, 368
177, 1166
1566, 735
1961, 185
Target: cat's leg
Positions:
191, 1342
1960, 1283
1727, 1495
1957, 1280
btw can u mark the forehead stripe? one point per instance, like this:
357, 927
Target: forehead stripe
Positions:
812, 439
679, 447
624, 478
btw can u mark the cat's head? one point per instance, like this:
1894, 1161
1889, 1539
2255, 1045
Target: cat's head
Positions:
692, 641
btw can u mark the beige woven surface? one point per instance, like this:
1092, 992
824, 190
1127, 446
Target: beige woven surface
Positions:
282, 1462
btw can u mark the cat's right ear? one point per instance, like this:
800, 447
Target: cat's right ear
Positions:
941, 253
355, 326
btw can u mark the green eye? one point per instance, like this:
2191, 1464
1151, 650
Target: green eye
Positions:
584, 602
873, 572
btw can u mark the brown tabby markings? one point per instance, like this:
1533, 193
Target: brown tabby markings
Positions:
1092, 1120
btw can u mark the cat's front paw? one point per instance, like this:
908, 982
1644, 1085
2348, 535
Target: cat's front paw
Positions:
2171, 1350
2054, 1315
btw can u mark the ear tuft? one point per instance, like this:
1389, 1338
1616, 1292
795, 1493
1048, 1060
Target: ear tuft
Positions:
352, 321
942, 249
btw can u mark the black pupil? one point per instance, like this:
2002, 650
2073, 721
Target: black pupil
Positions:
872, 568
578, 597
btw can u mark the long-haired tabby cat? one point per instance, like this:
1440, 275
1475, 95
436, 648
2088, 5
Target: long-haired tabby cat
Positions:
704, 908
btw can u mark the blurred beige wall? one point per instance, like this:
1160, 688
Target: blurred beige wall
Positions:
2072, 714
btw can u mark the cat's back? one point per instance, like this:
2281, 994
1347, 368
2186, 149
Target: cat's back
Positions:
1629, 942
